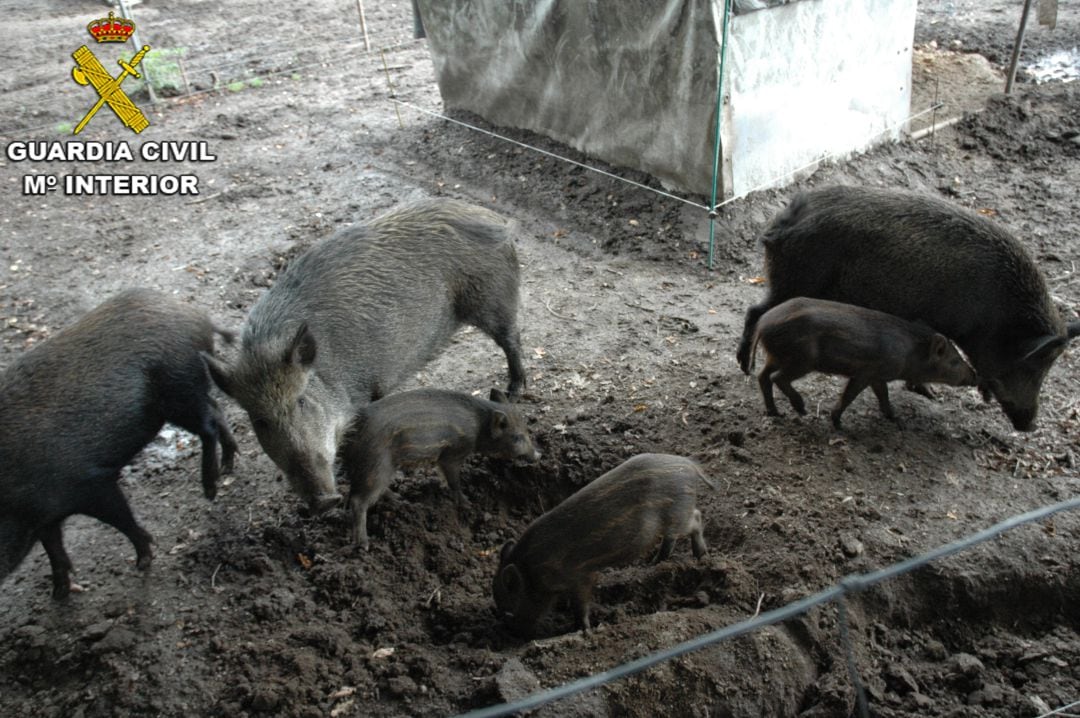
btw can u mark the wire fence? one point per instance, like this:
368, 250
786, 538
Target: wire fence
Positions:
849, 585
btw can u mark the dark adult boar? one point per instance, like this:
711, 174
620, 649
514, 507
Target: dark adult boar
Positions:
921, 258
872, 348
422, 428
81, 405
619, 518
359, 313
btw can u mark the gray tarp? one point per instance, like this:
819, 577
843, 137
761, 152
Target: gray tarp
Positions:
632, 82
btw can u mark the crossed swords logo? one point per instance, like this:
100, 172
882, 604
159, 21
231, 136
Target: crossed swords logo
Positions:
91, 72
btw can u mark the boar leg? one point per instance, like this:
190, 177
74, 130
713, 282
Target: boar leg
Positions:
364, 491
752, 315
228, 443
52, 539
359, 535
199, 414
581, 599
881, 391
783, 379
450, 467
766, 385
108, 504
666, 547
510, 342
854, 387
697, 534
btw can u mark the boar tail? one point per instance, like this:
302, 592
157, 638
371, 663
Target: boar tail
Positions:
227, 335
703, 477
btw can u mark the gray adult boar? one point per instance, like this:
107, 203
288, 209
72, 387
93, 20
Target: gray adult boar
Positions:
427, 427
78, 408
641, 506
872, 348
358, 314
921, 258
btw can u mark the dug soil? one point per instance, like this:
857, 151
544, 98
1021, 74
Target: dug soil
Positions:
252, 607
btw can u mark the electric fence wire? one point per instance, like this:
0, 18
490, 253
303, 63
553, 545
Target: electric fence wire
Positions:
1060, 711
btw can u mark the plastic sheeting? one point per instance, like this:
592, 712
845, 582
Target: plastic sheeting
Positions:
634, 82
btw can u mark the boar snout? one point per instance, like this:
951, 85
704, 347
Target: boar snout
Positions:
324, 502
1022, 418
530, 458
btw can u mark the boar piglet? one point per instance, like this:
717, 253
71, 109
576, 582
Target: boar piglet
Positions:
922, 259
79, 407
872, 348
617, 519
359, 313
422, 428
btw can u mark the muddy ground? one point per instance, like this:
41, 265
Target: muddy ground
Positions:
251, 608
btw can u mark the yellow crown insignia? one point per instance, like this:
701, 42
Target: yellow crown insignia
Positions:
111, 29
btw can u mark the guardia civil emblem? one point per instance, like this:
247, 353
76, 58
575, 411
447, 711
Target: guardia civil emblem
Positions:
89, 71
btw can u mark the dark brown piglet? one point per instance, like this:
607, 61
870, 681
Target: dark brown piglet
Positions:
619, 518
427, 427
872, 348
80, 406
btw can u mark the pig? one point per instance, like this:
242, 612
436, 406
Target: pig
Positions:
356, 315
79, 407
615, 520
427, 427
872, 348
921, 258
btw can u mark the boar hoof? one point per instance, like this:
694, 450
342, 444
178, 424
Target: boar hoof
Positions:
743, 356
920, 389
62, 587
325, 502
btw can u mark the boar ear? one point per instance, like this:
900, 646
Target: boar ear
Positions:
498, 397
301, 349
499, 422
1073, 330
505, 550
512, 579
1042, 346
219, 372
939, 345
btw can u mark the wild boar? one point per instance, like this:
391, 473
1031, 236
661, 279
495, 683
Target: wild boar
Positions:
617, 519
872, 348
427, 427
79, 407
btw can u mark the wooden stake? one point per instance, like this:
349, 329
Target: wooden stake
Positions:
1016, 48
183, 75
386, 69
363, 25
